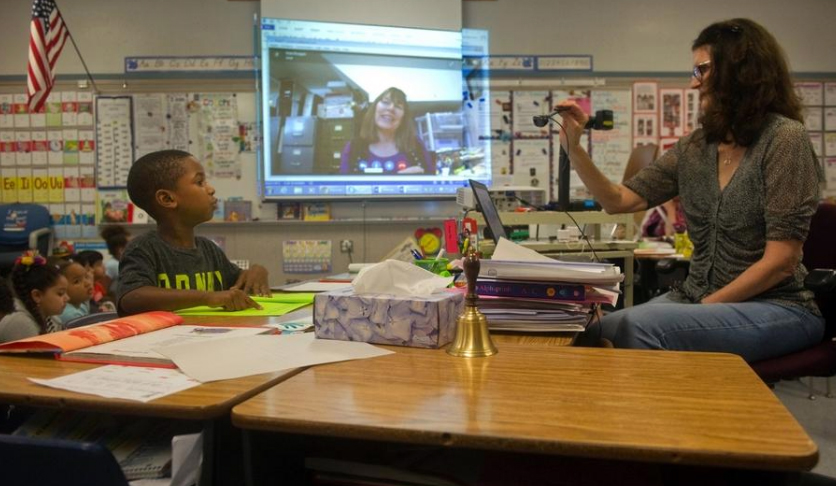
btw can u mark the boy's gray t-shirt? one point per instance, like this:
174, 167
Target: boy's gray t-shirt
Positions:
149, 260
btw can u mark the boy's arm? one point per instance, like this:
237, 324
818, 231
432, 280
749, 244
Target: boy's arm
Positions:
253, 281
149, 298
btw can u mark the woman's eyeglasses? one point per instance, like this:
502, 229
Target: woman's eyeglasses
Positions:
700, 69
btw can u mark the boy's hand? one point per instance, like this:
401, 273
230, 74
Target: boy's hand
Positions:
232, 300
253, 281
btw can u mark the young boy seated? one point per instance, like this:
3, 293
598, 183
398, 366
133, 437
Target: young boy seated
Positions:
171, 268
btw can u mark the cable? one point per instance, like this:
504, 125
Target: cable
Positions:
586, 238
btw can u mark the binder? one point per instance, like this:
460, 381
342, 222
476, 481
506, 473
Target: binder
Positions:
531, 290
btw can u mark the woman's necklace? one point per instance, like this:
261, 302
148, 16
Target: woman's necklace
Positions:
728, 156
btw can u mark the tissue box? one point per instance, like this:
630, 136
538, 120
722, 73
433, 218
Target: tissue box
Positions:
420, 322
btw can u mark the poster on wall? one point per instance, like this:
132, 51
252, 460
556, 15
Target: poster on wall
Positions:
644, 125
692, 110
306, 256
527, 105
673, 108
217, 127
114, 139
644, 97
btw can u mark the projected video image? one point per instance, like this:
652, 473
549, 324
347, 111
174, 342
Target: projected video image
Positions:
366, 110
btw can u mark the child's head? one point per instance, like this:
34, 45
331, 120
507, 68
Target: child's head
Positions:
170, 185
93, 261
116, 238
79, 285
40, 286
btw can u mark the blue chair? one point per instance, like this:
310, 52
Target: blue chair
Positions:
53, 462
24, 227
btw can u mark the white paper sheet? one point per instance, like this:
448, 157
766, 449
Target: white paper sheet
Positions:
127, 382
263, 354
142, 346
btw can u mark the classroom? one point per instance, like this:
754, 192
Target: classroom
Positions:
280, 102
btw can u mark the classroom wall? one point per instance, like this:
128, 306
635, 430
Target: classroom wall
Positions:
109, 30
636, 38
429, 14
650, 35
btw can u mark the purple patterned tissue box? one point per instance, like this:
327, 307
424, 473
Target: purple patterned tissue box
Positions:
419, 322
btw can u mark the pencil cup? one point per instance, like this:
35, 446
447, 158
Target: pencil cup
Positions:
433, 265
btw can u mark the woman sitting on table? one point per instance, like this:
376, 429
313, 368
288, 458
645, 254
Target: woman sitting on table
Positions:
748, 181
387, 143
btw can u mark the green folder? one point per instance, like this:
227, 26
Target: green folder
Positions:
277, 305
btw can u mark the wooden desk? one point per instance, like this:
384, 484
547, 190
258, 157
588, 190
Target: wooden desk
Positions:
701, 409
204, 402
210, 403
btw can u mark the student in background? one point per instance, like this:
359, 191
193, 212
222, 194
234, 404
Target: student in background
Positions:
116, 238
93, 262
40, 292
663, 220
387, 142
79, 288
171, 268
749, 183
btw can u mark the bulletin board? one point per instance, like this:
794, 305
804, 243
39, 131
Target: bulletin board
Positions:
74, 155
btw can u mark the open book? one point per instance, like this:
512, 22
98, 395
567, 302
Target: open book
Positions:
128, 340
86, 336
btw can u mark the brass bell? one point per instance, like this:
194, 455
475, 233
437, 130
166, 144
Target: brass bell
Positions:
473, 340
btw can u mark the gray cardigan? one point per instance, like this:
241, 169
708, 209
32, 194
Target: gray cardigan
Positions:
772, 196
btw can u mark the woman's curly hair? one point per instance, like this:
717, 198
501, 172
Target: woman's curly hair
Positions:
749, 80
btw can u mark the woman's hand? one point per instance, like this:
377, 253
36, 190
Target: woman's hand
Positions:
573, 121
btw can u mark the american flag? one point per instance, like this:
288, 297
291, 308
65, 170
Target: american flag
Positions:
47, 35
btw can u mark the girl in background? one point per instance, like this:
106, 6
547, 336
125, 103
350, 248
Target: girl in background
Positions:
40, 292
79, 290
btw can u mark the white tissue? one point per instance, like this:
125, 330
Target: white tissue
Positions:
395, 277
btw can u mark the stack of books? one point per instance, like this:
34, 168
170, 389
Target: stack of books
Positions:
539, 294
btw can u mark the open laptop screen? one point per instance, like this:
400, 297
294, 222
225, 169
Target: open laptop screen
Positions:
488, 210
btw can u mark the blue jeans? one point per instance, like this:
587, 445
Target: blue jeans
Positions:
753, 330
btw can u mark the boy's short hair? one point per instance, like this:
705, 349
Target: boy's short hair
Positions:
88, 258
152, 172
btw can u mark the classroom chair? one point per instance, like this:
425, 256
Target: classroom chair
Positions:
24, 227
53, 462
820, 260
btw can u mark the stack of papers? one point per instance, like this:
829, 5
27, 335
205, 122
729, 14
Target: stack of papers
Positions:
520, 289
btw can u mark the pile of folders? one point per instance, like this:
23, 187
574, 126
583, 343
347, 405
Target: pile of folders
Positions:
544, 296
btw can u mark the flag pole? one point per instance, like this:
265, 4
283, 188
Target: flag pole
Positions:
77, 51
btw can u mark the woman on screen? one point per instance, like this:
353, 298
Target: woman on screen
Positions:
387, 142
749, 182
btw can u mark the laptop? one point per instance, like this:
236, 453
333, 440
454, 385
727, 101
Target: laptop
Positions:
485, 205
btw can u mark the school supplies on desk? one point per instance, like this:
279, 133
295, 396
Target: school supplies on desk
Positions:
277, 305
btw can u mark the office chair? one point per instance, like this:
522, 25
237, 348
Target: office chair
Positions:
90, 319
820, 260
54, 462
24, 227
